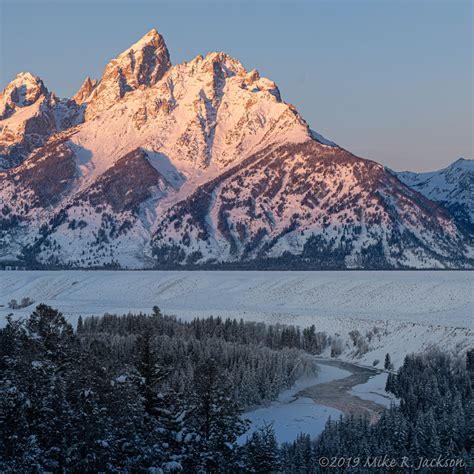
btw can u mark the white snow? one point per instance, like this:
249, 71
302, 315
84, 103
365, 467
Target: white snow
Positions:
424, 297
452, 185
374, 389
411, 311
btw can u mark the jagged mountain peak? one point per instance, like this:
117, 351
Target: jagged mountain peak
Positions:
216, 63
24, 90
28, 79
220, 57
209, 112
29, 116
85, 90
217, 67
222, 64
150, 39
203, 162
143, 64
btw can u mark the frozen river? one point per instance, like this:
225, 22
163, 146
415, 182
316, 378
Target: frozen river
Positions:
291, 414
305, 408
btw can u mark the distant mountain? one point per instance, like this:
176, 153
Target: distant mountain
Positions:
452, 187
199, 163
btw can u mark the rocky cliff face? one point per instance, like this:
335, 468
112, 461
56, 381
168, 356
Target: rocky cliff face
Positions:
84, 92
23, 91
202, 162
143, 64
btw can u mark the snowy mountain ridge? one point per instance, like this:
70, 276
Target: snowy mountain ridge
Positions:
198, 163
453, 187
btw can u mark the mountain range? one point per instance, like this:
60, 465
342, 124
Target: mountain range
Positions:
203, 164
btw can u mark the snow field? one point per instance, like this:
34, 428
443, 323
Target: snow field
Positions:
410, 311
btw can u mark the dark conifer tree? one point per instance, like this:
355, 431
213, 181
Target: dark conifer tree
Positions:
261, 451
151, 373
214, 419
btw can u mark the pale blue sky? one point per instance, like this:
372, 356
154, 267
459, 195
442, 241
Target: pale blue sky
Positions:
388, 80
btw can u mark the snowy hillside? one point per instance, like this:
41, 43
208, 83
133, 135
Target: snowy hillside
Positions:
309, 205
411, 310
158, 165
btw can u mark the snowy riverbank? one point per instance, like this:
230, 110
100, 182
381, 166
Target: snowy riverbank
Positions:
291, 414
297, 410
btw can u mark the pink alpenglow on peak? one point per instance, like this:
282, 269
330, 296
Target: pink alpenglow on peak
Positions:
82, 95
29, 115
24, 90
143, 64
203, 162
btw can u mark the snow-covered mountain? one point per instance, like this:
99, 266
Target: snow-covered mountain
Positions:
197, 163
452, 187
29, 115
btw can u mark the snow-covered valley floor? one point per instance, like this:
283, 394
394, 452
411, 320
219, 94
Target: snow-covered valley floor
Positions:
412, 310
